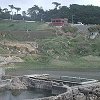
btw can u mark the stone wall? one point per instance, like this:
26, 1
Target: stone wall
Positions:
41, 84
82, 92
57, 89
64, 96
64, 92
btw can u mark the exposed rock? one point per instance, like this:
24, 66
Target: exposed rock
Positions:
16, 84
2, 58
13, 59
9, 59
80, 92
79, 96
21, 47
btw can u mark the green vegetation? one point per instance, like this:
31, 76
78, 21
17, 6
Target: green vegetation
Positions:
63, 53
87, 14
94, 29
69, 29
24, 31
76, 63
55, 52
21, 26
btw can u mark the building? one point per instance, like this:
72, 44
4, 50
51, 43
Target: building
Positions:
59, 21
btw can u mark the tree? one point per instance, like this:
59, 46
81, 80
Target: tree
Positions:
35, 9
35, 12
5, 10
24, 14
56, 4
40, 15
17, 9
1, 11
17, 17
11, 7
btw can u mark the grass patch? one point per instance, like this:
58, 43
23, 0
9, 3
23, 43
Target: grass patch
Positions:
22, 26
78, 63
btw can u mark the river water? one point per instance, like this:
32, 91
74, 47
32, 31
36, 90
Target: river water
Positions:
88, 73
31, 94
24, 94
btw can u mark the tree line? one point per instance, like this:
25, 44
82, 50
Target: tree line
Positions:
87, 14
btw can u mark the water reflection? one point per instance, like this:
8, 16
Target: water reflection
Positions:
24, 94
16, 92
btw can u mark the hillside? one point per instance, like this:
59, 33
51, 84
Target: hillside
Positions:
24, 31
58, 48
17, 25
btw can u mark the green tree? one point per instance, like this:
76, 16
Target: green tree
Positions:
11, 7
0, 10
4, 13
0, 13
5, 10
56, 4
35, 12
24, 14
17, 9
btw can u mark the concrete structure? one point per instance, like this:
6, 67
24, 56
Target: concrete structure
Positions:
59, 22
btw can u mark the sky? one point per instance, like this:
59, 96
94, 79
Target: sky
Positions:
46, 4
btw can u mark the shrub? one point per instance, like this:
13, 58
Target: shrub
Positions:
94, 28
69, 29
83, 50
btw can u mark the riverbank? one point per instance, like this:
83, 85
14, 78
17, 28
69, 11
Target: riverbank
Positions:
60, 88
92, 74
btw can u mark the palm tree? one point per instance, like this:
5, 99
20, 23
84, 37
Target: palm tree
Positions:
56, 4
11, 7
18, 9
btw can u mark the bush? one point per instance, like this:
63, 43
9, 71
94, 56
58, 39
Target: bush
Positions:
94, 28
69, 29
83, 49
43, 59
